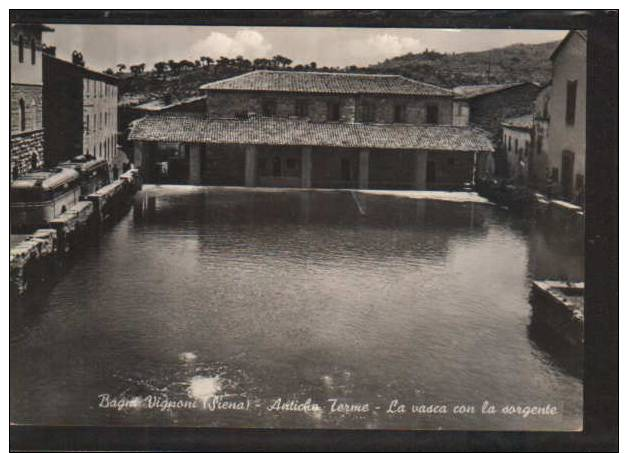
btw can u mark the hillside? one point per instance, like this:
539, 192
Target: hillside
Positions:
519, 62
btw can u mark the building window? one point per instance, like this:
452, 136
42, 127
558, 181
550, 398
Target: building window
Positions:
22, 118
301, 108
527, 146
432, 114
368, 112
100, 150
20, 49
33, 51
87, 124
509, 143
570, 114
105, 118
400, 113
333, 111
269, 108
34, 161
517, 145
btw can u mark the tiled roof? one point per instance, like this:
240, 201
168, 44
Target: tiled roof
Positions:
472, 91
286, 132
520, 122
326, 83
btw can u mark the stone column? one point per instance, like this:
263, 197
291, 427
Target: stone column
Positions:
420, 170
306, 167
250, 166
363, 170
194, 176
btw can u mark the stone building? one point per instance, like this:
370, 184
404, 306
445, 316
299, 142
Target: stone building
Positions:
539, 172
80, 112
516, 142
27, 128
486, 106
567, 114
309, 129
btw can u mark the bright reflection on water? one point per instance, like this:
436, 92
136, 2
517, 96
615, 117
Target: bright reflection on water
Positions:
250, 296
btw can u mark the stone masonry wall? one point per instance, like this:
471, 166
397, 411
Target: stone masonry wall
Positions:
228, 105
32, 97
23, 147
489, 111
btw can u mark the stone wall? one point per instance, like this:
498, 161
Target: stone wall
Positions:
24, 148
230, 105
489, 111
32, 97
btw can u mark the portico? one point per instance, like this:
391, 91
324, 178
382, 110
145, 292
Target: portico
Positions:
284, 153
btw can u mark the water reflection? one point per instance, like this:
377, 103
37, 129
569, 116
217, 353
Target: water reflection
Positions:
294, 295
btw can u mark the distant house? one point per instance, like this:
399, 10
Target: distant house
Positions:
486, 106
567, 113
516, 142
311, 129
27, 129
81, 112
539, 171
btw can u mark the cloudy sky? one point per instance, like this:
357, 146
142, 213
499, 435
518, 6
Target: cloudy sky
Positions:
105, 46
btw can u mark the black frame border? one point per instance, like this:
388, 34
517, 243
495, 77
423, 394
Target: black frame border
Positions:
601, 406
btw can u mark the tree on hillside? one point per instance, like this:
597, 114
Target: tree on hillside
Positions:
207, 61
313, 65
242, 64
108, 71
174, 66
280, 60
121, 67
186, 64
137, 69
262, 63
160, 67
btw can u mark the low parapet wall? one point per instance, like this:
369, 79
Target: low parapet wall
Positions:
33, 260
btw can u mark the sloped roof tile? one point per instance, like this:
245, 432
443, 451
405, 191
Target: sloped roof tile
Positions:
326, 83
287, 132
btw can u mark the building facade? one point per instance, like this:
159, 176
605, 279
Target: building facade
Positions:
308, 129
567, 123
539, 174
517, 145
81, 112
487, 106
27, 127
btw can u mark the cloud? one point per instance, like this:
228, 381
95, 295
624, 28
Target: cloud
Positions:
387, 45
248, 43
